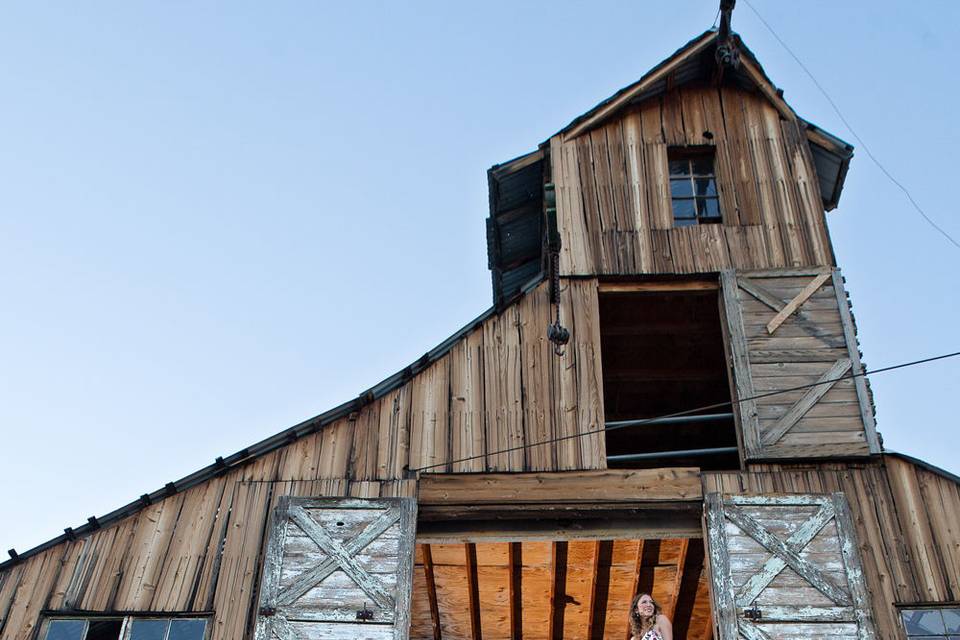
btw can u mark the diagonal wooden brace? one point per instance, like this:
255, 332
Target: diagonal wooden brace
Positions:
340, 558
772, 568
804, 404
777, 547
794, 304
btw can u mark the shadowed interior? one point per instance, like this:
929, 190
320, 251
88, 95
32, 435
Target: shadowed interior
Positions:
545, 590
662, 353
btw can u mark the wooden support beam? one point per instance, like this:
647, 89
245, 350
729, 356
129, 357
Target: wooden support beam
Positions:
648, 556
602, 559
473, 587
692, 590
515, 559
431, 591
642, 287
670, 608
558, 590
633, 485
636, 577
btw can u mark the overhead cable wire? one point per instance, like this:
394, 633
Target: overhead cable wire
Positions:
863, 144
707, 407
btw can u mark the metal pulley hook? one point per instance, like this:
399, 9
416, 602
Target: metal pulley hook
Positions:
558, 334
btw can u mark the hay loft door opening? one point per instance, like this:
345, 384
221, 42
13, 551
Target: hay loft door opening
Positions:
556, 589
663, 353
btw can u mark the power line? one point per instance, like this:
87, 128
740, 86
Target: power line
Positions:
707, 407
863, 144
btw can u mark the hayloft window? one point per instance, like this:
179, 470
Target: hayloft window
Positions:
126, 628
693, 187
663, 354
931, 623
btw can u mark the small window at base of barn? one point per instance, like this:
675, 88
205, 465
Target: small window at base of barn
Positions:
931, 622
147, 627
693, 186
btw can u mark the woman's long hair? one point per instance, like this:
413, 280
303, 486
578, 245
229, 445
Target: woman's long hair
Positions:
639, 625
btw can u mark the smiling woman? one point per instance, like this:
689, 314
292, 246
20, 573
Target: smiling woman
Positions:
646, 621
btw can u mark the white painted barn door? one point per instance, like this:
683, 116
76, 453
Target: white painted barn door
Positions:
785, 566
338, 568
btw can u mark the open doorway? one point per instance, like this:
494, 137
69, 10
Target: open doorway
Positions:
556, 589
663, 353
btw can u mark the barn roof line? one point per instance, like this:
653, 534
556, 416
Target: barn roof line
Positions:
311, 425
693, 62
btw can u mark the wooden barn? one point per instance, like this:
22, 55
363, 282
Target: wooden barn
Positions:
666, 396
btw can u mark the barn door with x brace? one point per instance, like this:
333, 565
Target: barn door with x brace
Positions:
785, 567
796, 364
338, 568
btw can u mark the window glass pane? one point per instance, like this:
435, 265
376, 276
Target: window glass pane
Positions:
684, 222
679, 167
703, 166
706, 187
104, 629
922, 621
148, 629
684, 209
187, 629
708, 208
951, 619
682, 187
66, 630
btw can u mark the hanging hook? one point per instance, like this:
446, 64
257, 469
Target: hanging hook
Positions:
559, 336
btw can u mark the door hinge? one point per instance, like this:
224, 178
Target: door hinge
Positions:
753, 614
364, 614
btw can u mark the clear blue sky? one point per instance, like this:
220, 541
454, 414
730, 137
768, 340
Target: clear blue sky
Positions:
217, 219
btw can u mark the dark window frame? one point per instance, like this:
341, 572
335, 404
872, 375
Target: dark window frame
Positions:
694, 193
950, 631
126, 620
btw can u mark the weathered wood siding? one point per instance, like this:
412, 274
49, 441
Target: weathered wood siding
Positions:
786, 566
907, 522
613, 192
200, 550
789, 330
330, 560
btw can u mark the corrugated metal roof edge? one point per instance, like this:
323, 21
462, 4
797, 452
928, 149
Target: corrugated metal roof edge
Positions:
224, 464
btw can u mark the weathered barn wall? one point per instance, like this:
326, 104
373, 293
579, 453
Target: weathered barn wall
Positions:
613, 193
199, 550
907, 520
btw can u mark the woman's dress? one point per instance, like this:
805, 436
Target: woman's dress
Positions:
652, 634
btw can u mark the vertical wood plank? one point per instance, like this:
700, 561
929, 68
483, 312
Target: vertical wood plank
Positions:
744, 407
721, 590
853, 350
